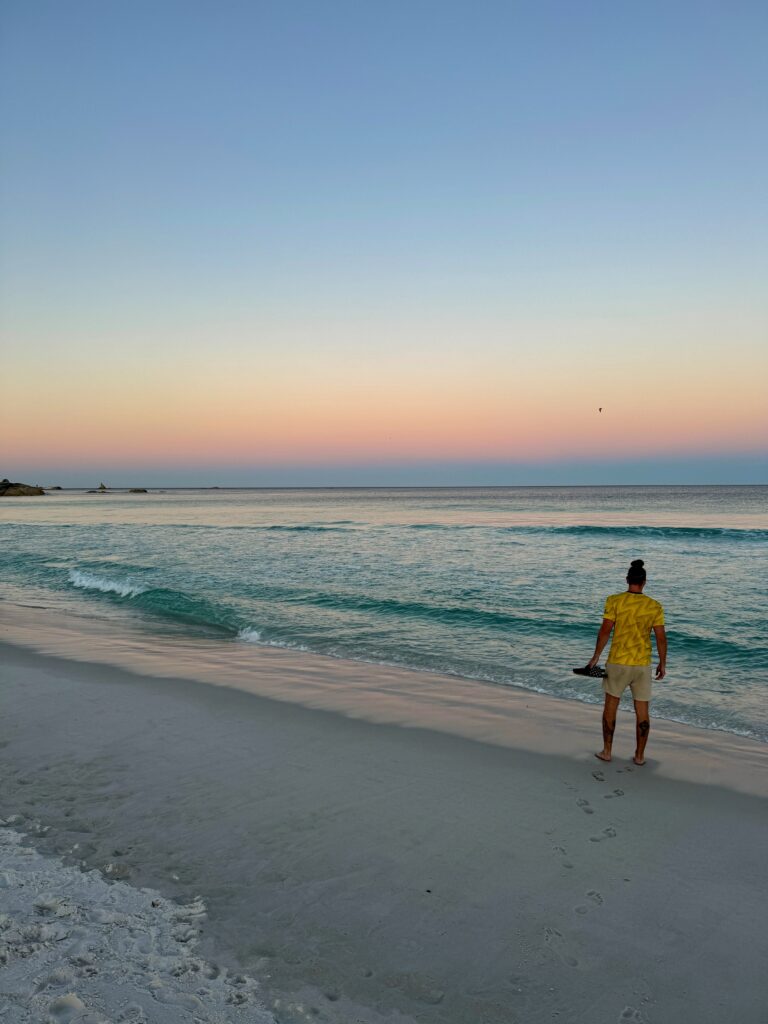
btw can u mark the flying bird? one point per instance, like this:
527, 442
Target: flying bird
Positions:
600, 409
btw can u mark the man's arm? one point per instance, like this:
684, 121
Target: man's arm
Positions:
602, 640
661, 646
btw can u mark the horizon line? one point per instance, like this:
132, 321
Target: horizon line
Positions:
374, 487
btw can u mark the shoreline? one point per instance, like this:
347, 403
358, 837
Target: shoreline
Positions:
381, 871
504, 716
478, 586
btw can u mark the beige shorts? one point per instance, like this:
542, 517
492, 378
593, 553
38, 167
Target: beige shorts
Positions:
637, 677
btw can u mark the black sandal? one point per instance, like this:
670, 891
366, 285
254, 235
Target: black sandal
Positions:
595, 671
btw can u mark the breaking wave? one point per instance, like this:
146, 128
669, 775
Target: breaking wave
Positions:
88, 581
163, 601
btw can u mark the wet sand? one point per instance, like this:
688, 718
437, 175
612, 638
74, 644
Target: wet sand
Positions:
486, 869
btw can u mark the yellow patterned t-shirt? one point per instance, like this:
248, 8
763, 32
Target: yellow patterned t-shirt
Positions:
634, 616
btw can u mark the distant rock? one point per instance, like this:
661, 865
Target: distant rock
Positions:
102, 487
138, 490
17, 490
56, 487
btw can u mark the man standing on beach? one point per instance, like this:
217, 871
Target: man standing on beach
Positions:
631, 616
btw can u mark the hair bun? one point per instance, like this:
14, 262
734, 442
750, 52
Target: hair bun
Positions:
638, 563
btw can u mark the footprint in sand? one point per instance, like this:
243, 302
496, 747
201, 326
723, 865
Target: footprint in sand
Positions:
616, 792
65, 1007
584, 805
133, 1014
562, 850
607, 833
594, 896
165, 994
559, 946
629, 1015
598, 776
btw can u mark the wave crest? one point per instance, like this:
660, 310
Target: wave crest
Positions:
589, 529
672, 532
89, 581
165, 602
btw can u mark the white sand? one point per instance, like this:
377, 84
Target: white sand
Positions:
74, 947
365, 872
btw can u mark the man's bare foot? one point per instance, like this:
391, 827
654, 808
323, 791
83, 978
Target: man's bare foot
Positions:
602, 756
638, 760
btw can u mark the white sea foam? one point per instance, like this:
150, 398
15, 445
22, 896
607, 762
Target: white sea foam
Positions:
252, 636
76, 948
89, 581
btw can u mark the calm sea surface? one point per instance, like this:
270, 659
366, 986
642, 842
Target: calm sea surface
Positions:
502, 585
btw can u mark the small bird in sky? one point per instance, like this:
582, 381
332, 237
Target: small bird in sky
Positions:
600, 409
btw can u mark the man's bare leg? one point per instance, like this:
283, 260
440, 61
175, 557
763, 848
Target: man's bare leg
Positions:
609, 726
643, 728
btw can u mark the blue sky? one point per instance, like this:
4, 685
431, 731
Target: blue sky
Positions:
277, 186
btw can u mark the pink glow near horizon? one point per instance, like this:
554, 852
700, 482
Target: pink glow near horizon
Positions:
534, 402
330, 436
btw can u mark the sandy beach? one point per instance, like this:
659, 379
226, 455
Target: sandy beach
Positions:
391, 851
372, 371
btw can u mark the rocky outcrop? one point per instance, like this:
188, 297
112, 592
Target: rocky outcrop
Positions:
138, 490
17, 490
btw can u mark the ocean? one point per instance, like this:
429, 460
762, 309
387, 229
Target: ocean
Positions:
502, 585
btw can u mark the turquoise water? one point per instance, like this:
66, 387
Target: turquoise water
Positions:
502, 585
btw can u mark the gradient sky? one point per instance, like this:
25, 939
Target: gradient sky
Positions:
342, 242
